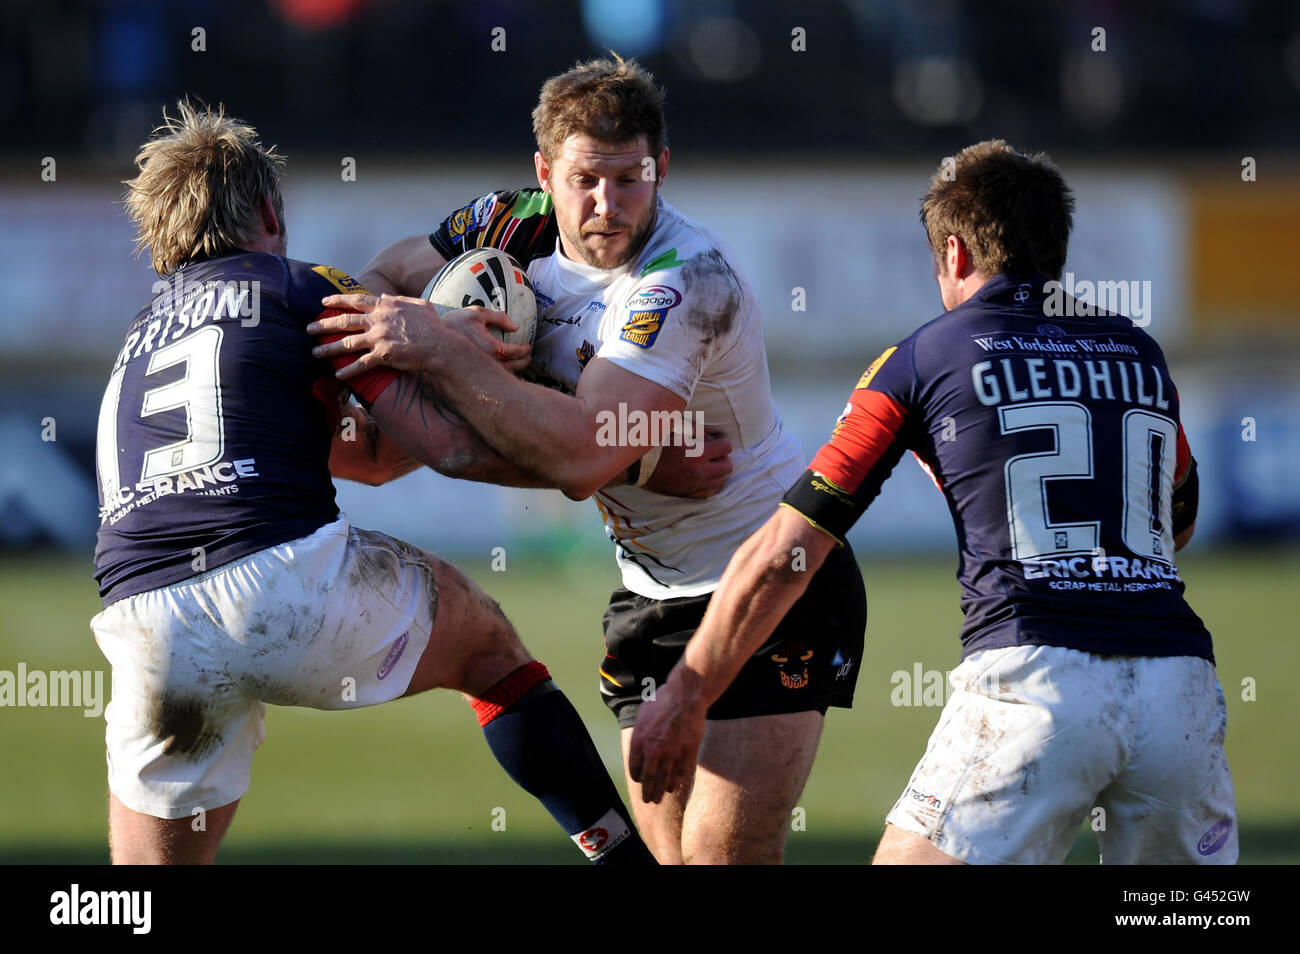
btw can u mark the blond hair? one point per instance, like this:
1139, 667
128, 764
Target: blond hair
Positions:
199, 191
612, 100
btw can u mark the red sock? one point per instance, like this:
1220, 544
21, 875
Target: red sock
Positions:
509, 691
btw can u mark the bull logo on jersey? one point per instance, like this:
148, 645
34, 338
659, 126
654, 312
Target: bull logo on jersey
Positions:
792, 662
646, 311
585, 353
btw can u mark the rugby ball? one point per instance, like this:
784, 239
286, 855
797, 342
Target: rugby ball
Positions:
489, 278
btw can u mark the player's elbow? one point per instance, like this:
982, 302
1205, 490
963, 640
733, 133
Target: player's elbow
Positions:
459, 463
578, 473
579, 484
371, 476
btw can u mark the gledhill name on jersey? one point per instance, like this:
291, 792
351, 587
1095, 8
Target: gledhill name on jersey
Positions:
182, 306
1015, 379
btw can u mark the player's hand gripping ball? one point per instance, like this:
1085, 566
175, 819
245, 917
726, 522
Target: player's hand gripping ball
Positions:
489, 278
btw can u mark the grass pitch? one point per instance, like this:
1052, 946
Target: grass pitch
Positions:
413, 782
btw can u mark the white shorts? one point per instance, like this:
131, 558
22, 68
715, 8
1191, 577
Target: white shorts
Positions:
336, 620
1037, 739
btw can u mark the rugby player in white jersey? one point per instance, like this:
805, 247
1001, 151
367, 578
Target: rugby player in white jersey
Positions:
641, 311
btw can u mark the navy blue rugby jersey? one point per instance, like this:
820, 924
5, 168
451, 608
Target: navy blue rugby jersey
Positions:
1056, 441
215, 429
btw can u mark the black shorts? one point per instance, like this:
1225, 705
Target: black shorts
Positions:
810, 662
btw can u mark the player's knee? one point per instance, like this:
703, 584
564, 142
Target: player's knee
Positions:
748, 844
720, 831
475, 634
900, 847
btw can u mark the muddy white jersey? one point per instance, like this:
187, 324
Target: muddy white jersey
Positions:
680, 315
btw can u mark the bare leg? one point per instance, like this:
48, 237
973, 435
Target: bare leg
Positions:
472, 646
136, 839
750, 775
899, 847
660, 825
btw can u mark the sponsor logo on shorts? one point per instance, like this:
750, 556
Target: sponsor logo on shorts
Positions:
1215, 838
792, 662
928, 802
394, 654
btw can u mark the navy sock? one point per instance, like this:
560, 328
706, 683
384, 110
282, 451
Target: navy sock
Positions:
541, 742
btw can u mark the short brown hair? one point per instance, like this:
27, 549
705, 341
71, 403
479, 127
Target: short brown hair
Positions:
1012, 211
611, 100
202, 179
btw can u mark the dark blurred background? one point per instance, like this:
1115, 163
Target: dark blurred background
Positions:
802, 132
879, 78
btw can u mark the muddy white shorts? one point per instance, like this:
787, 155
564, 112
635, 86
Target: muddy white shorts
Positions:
1037, 739
336, 620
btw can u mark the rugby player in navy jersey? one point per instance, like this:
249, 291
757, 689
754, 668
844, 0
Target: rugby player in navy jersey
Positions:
1086, 680
229, 577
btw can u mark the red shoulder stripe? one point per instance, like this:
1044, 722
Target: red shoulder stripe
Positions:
871, 423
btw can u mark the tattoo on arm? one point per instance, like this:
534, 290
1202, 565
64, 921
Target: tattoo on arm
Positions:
372, 439
419, 392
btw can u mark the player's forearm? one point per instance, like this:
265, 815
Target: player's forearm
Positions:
412, 413
404, 268
362, 452
545, 432
765, 578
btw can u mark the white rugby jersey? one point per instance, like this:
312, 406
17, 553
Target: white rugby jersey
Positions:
682, 316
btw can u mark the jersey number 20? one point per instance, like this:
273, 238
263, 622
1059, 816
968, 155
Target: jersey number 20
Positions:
1146, 483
